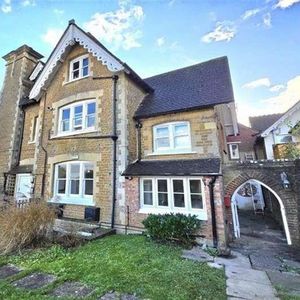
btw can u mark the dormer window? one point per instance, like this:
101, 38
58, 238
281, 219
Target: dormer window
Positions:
172, 137
78, 117
79, 67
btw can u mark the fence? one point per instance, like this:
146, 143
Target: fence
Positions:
11, 201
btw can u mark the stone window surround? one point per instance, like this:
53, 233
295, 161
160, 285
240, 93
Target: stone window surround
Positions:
80, 60
172, 149
94, 158
155, 209
96, 95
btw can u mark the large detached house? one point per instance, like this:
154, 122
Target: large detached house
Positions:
85, 132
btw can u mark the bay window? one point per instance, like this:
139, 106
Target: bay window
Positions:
74, 180
79, 67
77, 117
165, 195
172, 137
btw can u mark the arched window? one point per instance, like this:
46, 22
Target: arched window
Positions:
172, 137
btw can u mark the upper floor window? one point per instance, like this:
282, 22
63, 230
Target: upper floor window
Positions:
34, 131
234, 151
172, 137
79, 67
74, 179
77, 117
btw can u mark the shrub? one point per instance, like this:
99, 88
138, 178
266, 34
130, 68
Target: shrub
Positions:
21, 227
177, 228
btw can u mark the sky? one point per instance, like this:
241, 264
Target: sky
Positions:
261, 39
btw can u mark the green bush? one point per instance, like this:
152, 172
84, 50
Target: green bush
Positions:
177, 228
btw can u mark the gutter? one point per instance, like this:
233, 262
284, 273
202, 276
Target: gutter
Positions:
213, 211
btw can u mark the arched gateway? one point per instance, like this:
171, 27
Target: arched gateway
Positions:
268, 175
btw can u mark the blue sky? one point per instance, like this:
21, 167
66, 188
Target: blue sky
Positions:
260, 37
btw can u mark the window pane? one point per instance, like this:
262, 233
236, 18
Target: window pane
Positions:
162, 132
195, 186
89, 187
85, 71
76, 74
91, 108
61, 189
66, 114
179, 200
196, 201
62, 171
147, 185
181, 129
85, 62
162, 185
65, 125
78, 110
90, 121
178, 186
162, 143
75, 171
148, 199
76, 65
162, 199
181, 142
74, 187
89, 171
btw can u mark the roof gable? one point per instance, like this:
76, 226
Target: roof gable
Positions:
261, 123
72, 35
288, 113
198, 86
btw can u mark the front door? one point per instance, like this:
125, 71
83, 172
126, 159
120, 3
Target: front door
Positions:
23, 186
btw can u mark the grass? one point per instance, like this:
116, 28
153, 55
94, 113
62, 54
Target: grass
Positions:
284, 294
127, 264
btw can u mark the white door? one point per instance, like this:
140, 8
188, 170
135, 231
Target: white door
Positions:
235, 218
23, 186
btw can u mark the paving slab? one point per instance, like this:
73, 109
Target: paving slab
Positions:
265, 262
197, 254
118, 296
292, 263
234, 262
251, 275
9, 270
72, 289
289, 281
249, 290
215, 265
34, 281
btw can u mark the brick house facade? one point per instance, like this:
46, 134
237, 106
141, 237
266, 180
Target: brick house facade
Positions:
90, 122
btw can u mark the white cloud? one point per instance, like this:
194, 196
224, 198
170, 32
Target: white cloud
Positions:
276, 88
6, 6
52, 36
28, 3
267, 19
119, 28
285, 3
160, 41
262, 82
58, 12
250, 13
224, 31
289, 95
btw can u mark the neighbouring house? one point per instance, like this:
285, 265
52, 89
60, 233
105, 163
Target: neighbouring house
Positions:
275, 132
85, 132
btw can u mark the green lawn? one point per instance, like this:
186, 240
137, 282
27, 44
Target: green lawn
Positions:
129, 264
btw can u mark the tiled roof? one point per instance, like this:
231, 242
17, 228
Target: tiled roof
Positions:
261, 123
202, 85
192, 167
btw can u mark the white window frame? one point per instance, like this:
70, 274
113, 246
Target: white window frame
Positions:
67, 197
231, 151
85, 115
80, 60
171, 128
34, 129
201, 213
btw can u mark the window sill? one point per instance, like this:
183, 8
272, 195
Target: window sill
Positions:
59, 135
74, 201
31, 142
201, 214
77, 79
171, 153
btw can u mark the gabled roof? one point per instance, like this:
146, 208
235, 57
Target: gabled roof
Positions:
180, 167
74, 34
261, 123
288, 113
198, 86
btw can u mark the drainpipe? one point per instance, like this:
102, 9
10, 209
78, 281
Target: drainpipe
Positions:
213, 212
139, 126
114, 138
